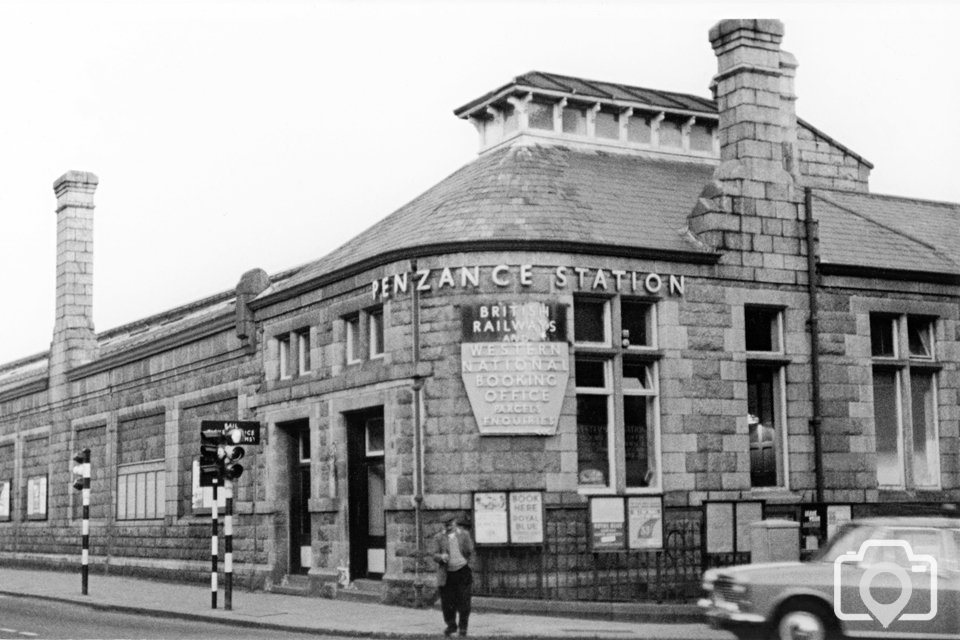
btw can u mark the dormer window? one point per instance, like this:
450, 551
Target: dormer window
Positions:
540, 116
608, 125
575, 121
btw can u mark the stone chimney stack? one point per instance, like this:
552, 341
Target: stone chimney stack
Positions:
74, 341
754, 92
752, 210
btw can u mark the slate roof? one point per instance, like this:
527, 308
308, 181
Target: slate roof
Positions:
887, 232
598, 90
539, 193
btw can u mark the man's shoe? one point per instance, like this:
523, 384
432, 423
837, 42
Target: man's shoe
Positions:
449, 630
463, 632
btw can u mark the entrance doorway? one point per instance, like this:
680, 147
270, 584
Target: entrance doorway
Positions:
366, 488
298, 506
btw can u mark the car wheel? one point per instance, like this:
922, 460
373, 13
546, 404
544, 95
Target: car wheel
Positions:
805, 622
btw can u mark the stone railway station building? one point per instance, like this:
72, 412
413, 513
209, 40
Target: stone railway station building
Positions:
651, 316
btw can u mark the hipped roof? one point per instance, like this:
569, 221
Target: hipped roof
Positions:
571, 199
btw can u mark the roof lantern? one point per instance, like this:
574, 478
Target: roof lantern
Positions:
545, 108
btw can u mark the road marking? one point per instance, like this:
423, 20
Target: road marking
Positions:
9, 630
19, 633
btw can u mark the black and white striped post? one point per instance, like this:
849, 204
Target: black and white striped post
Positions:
228, 546
83, 485
213, 551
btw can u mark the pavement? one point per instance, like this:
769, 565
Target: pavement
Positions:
348, 618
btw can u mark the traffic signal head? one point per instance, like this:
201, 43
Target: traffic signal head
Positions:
229, 455
209, 465
81, 470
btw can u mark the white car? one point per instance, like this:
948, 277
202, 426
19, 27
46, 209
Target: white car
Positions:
876, 578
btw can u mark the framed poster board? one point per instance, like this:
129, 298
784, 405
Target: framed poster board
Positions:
4, 500
645, 522
746, 513
719, 527
608, 526
508, 517
490, 517
837, 516
37, 498
526, 517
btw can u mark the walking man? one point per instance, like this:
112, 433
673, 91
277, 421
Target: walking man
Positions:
454, 577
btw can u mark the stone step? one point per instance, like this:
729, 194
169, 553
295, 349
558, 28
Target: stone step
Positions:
293, 585
363, 590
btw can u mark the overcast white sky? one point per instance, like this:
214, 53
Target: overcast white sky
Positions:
234, 135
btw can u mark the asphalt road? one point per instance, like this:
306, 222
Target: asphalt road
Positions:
26, 618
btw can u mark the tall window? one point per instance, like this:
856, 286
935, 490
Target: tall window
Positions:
616, 383
763, 337
140, 468
303, 351
353, 338
283, 343
375, 322
905, 401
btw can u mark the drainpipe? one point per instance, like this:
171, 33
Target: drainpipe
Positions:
417, 443
814, 325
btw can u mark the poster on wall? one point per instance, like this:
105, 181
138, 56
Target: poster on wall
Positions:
37, 497
490, 517
202, 497
515, 363
645, 522
607, 524
720, 529
526, 517
5, 500
837, 516
747, 513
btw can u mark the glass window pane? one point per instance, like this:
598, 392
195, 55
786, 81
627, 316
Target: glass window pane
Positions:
376, 487
353, 335
608, 125
375, 435
638, 441
761, 408
670, 134
638, 130
590, 321
593, 460
574, 121
540, 116
304, 445
919, 332
761, 329
926, 453
303, 350
886, 412
636, 323
701, 138
284, 345
376, 332
510, 119
882, 331
161, 494
636, 376
590, 373
151, 495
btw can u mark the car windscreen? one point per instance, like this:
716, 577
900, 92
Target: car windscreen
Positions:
848, 538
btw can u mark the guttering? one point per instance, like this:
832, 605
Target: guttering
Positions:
816, 421
883, 273
478, 246
417, 388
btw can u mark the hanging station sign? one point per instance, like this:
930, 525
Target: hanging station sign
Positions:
515, 363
